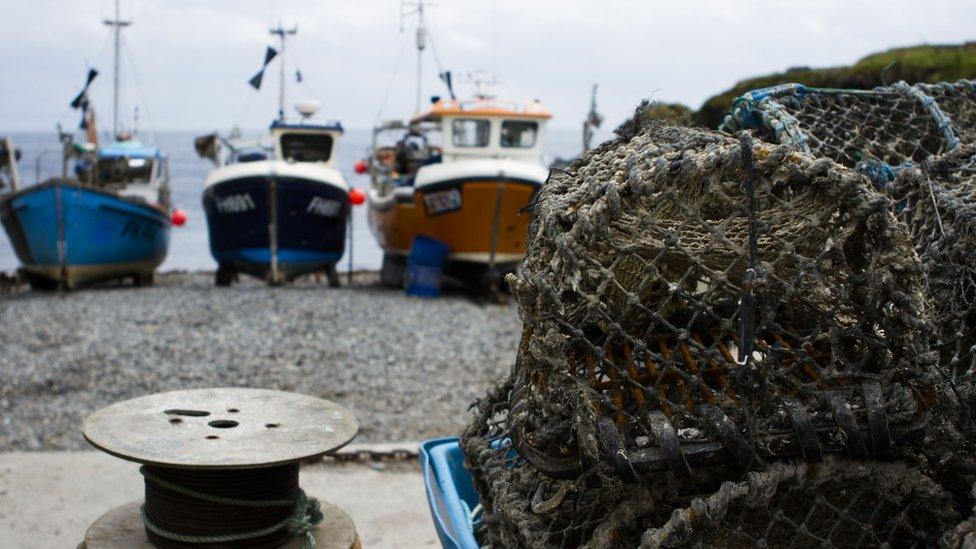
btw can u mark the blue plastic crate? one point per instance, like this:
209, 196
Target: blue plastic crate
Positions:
425, 266
450, 492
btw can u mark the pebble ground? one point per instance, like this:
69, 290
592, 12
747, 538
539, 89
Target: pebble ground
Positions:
409, 368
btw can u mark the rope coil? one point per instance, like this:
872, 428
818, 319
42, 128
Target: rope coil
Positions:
253, 508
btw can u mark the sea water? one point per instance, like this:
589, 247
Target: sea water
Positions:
189, 247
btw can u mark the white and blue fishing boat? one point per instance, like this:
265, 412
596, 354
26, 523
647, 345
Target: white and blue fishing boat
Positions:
106, 217
277, 210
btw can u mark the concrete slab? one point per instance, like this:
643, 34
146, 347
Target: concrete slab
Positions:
48, 499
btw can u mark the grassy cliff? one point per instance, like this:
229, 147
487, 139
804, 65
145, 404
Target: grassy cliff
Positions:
915, 64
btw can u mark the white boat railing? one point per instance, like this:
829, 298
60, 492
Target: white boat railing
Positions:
11, 164
38, 163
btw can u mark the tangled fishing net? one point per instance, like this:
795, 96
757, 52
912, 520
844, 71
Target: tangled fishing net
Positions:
725, 342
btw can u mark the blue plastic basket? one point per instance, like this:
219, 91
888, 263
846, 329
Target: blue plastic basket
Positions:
425, 267
450, 492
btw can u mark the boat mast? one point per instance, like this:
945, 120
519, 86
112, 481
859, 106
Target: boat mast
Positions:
421, 45
281, 33
591, 122
421, 39
117, 24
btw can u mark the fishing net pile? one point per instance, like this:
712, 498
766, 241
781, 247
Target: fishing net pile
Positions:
918, 145
725, 342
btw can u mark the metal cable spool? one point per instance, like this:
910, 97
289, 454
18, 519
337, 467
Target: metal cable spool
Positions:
221, 470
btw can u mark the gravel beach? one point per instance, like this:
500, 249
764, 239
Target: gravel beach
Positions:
407, 367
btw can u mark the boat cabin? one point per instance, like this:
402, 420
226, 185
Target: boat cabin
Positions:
456, 131
488, 128
290, 141
128, 162
128, 167
305, 142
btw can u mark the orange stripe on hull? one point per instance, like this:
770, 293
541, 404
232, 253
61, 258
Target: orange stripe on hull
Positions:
466, 231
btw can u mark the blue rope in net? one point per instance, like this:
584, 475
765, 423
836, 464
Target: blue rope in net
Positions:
894, 126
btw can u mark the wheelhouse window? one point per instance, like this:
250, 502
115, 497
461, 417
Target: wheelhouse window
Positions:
470, 132
306, 147
125, 170
519, 134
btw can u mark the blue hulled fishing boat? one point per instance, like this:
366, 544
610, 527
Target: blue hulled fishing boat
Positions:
277, 210
67, 233
106, 217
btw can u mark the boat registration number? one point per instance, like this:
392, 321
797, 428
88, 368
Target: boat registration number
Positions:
441, 202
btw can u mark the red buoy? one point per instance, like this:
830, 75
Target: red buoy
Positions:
356, 196
178, 217
361, 167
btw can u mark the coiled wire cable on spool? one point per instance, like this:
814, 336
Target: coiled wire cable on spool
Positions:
261, 508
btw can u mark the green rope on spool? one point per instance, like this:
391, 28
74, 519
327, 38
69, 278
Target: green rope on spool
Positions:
307, 514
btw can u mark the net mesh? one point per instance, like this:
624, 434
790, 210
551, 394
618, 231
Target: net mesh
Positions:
937, 201
917, 144
703, 318
838, 504
958, 102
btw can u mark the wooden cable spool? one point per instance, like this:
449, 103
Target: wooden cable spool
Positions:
223, 440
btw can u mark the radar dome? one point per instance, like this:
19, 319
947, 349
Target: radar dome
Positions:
307, 108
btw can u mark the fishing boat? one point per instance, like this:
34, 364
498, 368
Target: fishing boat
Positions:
277, 210
106, 217
459, 171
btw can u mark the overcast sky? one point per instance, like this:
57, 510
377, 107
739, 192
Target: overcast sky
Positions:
193, 58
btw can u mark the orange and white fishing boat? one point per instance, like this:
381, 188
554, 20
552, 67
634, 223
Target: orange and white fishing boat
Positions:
462, 172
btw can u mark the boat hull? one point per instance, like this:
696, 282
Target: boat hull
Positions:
73, 235
276, 227
472, 215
